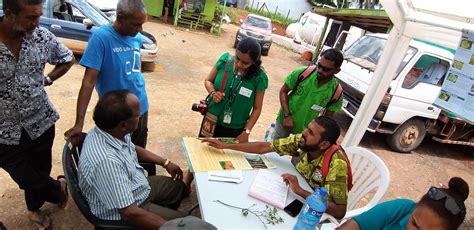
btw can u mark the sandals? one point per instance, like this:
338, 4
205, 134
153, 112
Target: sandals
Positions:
43, 223
64, 192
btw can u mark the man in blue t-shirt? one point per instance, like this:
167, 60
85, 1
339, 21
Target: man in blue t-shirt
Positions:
112, 61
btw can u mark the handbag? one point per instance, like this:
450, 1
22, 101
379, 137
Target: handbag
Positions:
209, 121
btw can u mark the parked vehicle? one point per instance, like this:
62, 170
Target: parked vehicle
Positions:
257, 27
73, 21
109, 7
406, 113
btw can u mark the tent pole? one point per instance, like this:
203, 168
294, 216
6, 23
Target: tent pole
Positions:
393, 53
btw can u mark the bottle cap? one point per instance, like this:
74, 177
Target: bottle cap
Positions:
323, 191
273, 125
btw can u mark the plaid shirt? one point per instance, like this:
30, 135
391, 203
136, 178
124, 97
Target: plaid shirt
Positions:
336, 179
23, 100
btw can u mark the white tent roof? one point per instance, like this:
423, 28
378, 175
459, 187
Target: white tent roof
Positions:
437, 21
425, 19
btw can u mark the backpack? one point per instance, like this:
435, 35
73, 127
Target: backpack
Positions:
327, 161
305, 74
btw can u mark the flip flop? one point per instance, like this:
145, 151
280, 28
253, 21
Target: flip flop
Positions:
64, 193
44, 223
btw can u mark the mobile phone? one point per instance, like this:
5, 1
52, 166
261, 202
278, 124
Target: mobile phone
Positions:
294, 208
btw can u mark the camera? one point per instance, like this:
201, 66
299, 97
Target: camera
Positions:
200, 107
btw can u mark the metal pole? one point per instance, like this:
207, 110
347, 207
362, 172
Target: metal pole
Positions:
276, 9
287, 15
394, 51
223, 14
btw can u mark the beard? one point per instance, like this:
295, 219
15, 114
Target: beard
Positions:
308, 148
20, 30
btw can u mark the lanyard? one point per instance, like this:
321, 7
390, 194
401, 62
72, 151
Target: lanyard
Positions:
232, 90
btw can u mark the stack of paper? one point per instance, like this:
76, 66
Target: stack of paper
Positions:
270, 188
234, 176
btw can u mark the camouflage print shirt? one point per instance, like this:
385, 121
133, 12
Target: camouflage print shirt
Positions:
336, 179
24, 103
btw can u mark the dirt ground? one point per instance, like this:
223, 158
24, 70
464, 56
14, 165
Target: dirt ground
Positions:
184, 59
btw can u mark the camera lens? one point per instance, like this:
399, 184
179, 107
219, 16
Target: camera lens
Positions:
195, 107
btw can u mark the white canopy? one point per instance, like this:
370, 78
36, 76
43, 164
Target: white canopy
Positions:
436, 21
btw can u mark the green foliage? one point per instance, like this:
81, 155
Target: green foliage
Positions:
270, 214
231, 12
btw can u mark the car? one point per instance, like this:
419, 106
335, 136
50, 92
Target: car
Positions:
109, 7
73, 22
232, 3
259, 28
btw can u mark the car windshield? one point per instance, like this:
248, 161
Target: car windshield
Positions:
257, 22
367, 52
94, 14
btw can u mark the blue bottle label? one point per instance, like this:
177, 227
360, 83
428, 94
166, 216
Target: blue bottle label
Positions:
311, 213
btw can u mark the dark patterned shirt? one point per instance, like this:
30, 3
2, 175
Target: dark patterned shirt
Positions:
23, 100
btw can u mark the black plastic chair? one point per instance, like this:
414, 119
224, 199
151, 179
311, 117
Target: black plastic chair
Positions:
71, 154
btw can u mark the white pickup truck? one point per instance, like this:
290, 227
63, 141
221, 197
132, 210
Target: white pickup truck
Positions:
407, 112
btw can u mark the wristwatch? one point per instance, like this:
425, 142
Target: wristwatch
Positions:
286, 114
247, 131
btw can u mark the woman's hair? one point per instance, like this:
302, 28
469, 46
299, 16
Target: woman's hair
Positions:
459, 191
251, 47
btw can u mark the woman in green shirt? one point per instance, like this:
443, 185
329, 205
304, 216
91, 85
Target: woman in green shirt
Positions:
239, 106
439, 208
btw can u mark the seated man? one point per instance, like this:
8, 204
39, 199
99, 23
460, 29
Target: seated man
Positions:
110, 177
310, 146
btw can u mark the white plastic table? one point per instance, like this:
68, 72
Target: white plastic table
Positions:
224, 217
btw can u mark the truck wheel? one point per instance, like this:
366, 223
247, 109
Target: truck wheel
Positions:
408, 136
265, 52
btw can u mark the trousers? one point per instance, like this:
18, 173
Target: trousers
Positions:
165, 197
29, 165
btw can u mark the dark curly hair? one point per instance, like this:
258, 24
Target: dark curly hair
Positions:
459, 191
251, 47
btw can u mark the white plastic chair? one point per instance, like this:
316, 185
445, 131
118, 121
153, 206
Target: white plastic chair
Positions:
369, 175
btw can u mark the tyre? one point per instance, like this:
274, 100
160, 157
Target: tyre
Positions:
408, 136
265, 52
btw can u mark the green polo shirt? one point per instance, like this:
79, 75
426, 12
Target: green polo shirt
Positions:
336, 179
389, 215
244, 91
308, 100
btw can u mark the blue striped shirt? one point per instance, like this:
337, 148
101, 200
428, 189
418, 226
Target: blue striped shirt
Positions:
110, 177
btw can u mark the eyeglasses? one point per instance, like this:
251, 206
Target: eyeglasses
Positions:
323, 68
450, 204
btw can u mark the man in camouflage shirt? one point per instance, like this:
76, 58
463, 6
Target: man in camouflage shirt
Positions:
27, 116
310, 146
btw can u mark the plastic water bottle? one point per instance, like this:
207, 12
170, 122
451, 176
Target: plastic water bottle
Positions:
269, 133
312, 211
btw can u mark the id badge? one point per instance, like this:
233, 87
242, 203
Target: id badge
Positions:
227, 116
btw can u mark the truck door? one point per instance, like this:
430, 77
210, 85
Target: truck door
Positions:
417, 89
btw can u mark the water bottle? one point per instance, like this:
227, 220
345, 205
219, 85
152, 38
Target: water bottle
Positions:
312, 211
269, 133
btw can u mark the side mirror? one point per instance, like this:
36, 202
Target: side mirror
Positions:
241, 21
88, 23
274, 29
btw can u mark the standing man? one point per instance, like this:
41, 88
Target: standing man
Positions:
301, 101
112, 61
27, 117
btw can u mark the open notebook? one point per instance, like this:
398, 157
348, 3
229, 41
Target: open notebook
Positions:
269, 188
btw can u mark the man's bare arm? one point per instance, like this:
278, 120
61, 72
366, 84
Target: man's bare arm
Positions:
141, 218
